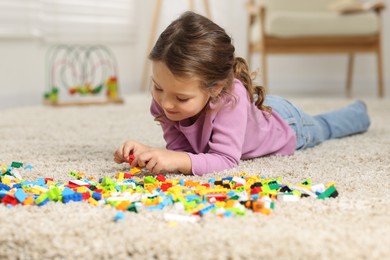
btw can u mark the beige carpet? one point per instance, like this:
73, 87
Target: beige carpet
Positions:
356, 225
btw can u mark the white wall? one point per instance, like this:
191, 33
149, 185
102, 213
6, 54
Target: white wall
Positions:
22, 62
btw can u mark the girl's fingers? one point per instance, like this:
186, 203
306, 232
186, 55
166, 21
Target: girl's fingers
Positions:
151, 165
131, 158
128, 147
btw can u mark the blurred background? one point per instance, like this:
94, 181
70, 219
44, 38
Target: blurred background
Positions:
28, 28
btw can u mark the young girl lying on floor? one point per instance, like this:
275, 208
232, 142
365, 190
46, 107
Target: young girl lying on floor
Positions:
213, 116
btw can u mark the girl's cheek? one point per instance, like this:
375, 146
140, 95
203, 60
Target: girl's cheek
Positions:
156, 97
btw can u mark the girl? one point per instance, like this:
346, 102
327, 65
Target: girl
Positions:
213, 116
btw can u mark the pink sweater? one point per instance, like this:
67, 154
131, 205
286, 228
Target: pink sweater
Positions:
224, 134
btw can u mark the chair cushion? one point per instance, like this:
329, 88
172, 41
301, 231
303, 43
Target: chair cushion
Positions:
298, 5
292, 24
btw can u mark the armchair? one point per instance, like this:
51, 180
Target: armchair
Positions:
315, 26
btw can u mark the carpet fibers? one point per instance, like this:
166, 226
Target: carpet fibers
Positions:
55, 141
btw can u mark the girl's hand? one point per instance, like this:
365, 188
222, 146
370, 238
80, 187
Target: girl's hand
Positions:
160, 160
122, 154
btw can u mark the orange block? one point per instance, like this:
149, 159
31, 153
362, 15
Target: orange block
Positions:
28, 201
265, 211
123, 205
257, 206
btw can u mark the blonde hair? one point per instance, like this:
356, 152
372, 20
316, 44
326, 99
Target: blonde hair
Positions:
194, 46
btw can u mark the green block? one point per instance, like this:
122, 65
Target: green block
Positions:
235, 197
273, 185
150, 179
41, 198
237, 211
7, 173
54, 194
307, 182
329, 192
297, 193
265, 189
132, 208
240, 188
107, 181
16, 164
73, 174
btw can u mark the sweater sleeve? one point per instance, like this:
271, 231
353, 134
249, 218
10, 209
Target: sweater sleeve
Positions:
228, 135
175, 140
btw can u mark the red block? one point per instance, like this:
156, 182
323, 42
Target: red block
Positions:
161, 178
256, 190
127, 176
165, 186
86, 195
9, 199
48, 179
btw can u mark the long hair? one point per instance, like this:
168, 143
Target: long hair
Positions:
193, 46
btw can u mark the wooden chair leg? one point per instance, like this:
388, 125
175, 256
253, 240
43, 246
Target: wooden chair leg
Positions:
191, 5
349, 74
264, 70
381, 89
153, 31
207, 8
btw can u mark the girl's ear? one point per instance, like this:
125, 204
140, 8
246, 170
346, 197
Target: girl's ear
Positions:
217, 88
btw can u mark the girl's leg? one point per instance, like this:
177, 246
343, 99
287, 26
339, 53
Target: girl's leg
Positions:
312, 130
345, 121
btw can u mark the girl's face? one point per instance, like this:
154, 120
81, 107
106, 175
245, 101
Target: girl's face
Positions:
180, 98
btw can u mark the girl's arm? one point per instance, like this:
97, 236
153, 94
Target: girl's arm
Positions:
229, 128
175, 140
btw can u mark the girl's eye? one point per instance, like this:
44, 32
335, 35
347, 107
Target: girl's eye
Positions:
182, 99
156, 88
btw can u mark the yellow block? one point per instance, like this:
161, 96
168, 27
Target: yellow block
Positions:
93, 201
81, 189
38, 189
135, 170
120, 176
6, 181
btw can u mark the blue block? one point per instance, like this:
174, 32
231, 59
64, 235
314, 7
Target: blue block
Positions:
206, 209
20, 195
228, 213
67, 191
44, 202
72, 197
166, 201
192, 197
157, 207
4, 187
119, 215
97, 195
41, 182
28, 167
231, 193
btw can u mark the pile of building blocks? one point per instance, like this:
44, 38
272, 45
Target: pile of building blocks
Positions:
229, 196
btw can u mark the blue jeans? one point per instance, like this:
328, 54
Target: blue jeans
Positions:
313, 130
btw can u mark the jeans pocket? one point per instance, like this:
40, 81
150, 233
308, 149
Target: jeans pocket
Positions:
296, 127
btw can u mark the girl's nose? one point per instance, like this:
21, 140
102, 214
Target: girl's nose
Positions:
166, 103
